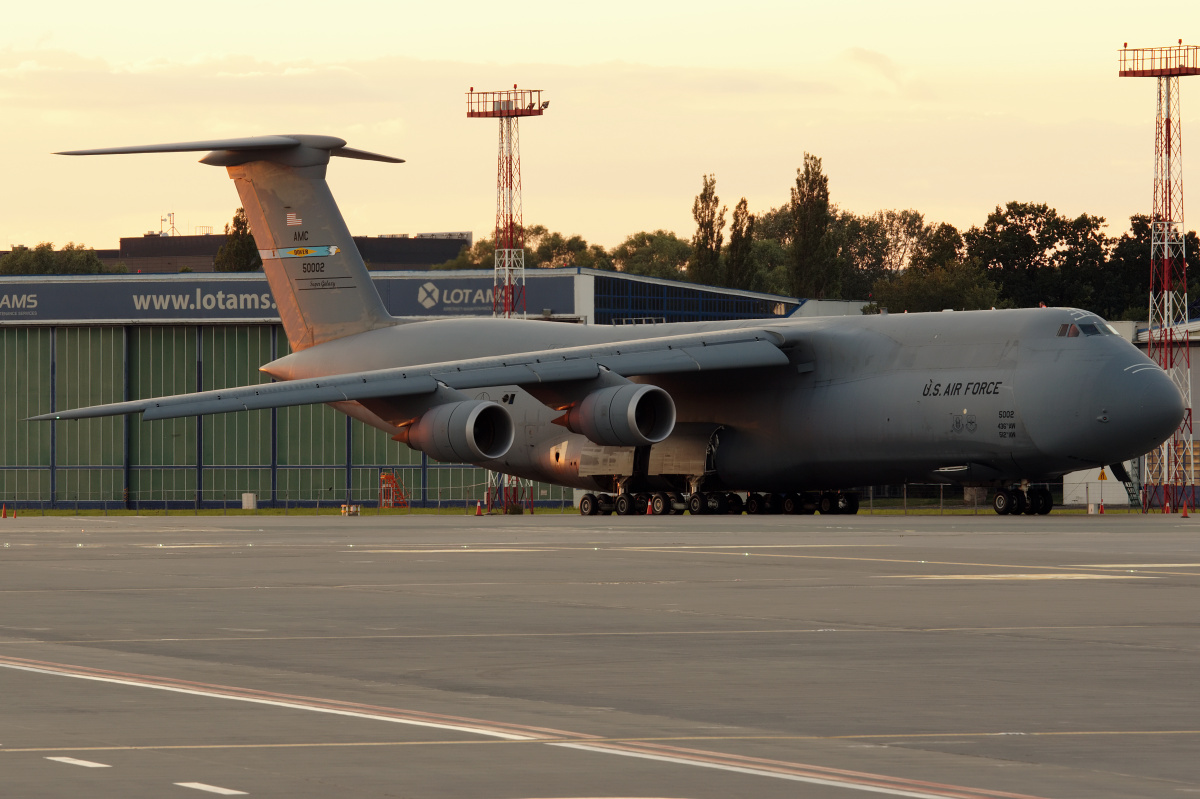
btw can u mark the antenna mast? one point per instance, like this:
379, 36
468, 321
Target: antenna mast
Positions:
1170, 470
508, 284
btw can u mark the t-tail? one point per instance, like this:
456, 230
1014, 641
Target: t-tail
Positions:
318, 278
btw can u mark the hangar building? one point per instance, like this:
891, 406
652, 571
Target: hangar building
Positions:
72, 341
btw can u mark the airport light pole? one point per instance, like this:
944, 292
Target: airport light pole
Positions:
1170, 469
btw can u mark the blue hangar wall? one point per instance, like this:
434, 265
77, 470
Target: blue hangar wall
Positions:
72, 341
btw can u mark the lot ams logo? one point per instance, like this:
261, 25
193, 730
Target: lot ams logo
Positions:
14, 302
427, 295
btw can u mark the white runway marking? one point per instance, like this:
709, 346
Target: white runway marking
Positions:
73, 762
199, 786
1020, 577
1134, 565
687, 761
430, 551
796, 772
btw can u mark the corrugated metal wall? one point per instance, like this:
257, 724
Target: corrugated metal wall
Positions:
289, 456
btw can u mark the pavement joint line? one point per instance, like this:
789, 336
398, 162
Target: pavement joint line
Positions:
636, 739
744, 549
797, 772
609, 634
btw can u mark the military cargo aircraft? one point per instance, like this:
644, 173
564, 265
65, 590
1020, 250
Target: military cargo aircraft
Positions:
789, 414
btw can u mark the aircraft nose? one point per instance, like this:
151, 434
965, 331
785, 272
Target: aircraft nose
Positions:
1140, 408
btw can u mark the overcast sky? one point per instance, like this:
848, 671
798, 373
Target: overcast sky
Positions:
948, 108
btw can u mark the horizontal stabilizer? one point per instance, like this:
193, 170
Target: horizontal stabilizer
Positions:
247, 144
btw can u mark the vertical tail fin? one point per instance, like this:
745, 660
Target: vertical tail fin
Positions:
318, 278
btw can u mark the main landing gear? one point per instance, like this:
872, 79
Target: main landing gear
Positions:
1035, 500
702, 503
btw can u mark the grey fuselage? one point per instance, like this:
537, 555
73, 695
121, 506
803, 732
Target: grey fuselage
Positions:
978, 397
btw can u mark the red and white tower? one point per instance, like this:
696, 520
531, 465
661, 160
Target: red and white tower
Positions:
1169, 469
508, 283
508, 290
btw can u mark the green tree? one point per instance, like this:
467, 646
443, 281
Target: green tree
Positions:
705, 267
771, 266
814, 264
72, 259
1018, 245
937, 246
739, 264
549, 249
480, 255
776, 224
860, 246
658, 254
239, 253
902, 231
962, 285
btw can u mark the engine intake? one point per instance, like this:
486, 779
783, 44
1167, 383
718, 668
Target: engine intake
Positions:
632, 415
467, 431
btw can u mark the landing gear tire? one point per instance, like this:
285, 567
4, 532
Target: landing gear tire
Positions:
677, 504
828, 504
848, 504
755, 505
718, 503
1041, 501
1020, 502
624, 505
660, 504
772, 503
792, 504
604, 505
697, 504
588, 505
735, 504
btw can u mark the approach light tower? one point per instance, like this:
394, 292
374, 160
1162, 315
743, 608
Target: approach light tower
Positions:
508, 289
1170, 468
508, 283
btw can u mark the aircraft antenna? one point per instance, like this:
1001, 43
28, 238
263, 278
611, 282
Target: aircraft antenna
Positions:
508, 282
1170, 469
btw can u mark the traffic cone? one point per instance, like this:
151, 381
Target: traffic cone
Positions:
478, 508
1102, 508
5, 516
1182, 515
650, 506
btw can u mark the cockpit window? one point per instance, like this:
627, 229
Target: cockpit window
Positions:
1112, 331
1089, 330
1072, 331
1062, 330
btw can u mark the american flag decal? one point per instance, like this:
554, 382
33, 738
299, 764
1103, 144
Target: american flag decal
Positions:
294, 219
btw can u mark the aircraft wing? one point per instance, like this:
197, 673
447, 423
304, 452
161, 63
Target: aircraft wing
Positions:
733, 349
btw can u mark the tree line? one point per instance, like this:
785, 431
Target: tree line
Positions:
1023, 255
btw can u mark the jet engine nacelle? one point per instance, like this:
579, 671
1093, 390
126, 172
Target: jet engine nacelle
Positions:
631, 415
467, 431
